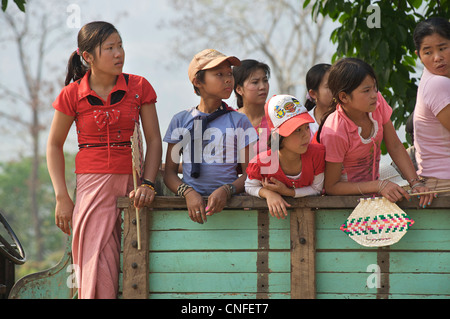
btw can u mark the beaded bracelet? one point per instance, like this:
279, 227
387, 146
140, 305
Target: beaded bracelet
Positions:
149, 186
148, 182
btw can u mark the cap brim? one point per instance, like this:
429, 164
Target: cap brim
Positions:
293, 123
212, 64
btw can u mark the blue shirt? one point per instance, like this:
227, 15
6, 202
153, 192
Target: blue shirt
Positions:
224, 137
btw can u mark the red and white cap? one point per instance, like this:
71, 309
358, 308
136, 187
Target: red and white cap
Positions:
285, 113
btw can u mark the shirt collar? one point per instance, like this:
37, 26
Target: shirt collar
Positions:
351, 126
85, 90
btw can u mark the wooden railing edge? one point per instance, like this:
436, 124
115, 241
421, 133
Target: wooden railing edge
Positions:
251, 202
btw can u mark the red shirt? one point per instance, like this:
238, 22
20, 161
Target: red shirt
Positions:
104, 128
313, 163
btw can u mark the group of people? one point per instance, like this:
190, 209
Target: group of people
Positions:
269, 147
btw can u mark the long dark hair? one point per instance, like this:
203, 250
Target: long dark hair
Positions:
242, 72
313, 79
428, 27
89, 37
345, 76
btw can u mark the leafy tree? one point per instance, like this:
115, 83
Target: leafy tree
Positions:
386, 44
20, 4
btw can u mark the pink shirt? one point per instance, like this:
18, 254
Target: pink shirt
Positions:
431, 138
360, 157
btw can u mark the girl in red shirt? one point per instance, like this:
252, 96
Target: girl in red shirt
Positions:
292, 168
105, 104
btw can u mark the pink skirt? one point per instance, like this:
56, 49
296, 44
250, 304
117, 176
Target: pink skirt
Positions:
96, 239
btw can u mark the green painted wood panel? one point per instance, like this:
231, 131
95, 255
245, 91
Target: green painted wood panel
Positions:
215, 240
400, 262
419, 262
216, 261
413, 240
215, 282
343, 261
228, 219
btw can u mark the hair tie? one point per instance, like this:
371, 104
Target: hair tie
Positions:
78, 51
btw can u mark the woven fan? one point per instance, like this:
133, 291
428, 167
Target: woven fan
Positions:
137, 150
138, 169
377, 222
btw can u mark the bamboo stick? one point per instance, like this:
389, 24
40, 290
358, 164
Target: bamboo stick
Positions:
431, 192
138, 226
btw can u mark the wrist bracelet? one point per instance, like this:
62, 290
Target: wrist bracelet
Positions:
182, 189
417, 179
230, 189
148, 182
417, 185
149, 186
382, 184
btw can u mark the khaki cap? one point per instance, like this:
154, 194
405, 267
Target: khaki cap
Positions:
208, 59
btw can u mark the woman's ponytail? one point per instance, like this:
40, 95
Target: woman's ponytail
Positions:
75, 68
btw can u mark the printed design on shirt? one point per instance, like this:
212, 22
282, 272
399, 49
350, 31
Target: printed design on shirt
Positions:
289, 108
103, 118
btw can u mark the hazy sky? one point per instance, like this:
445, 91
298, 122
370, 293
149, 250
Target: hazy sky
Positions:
147, 54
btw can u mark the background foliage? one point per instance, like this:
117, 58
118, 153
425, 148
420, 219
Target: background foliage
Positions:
389, 49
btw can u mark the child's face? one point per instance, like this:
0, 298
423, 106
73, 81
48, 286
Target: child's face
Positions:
298, 141
218, 82
255, 88
110, 58
435, 54
323, 95
363, 98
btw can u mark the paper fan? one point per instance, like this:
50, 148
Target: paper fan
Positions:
137, 150
377, 222
138, 169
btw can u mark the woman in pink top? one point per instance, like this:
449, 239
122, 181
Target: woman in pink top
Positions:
432, 111
353, 133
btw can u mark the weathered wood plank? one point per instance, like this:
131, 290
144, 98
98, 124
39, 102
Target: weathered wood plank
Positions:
344, 261
245, 201
216, 261
180, 240
350, 283
135, 262
433, 240
303, 285
230, 219
420, 262
215, 282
